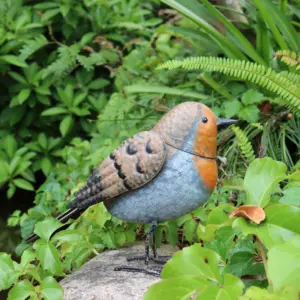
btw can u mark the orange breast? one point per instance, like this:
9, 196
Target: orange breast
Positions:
208, 171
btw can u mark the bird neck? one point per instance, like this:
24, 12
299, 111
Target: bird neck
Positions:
205, 144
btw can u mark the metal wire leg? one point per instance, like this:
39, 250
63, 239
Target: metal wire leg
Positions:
152, 271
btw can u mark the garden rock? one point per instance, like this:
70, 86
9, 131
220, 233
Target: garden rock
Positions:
97, 280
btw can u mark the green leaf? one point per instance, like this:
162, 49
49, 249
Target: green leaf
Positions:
261, 179
70, 236
46, 165
49, 257
42, 139
4, 171
231, 108
281, 224
23, 95
8, 275
98, 84
278, 22
66, 125
22, 290
46, 228
252, 97
16, 76
256, 293
193, 260
79, 98
51, 290
23, 184
189, 229
11, 190
249, 113
183, 287
164, 90
284, 264
54, 111
27, 257
13, 60
10, 145
87, 38
291, 196
192, 9
242, 41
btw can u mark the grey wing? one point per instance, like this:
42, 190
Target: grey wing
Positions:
133, 164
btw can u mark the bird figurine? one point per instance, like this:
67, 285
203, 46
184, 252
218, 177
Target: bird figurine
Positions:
156, 175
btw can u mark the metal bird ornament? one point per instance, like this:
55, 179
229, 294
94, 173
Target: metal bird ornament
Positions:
156, 175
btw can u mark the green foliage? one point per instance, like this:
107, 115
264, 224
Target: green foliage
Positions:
243, 70
232, 248
79, 77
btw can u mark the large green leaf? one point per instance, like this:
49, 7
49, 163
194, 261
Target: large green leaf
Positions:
193, 260
49, 257
23, 184
51, 290
66, 125
46, 228
192, 273
261, 180
8, 274
282, 223
54, 111
256, 293
21, 291
291, 196
284, 264
179, 288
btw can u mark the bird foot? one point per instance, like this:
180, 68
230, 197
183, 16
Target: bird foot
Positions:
159, 260
151, 271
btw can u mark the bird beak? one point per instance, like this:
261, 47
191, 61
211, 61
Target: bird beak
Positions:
221, 122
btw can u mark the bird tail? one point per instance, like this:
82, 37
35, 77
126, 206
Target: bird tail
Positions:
73, 213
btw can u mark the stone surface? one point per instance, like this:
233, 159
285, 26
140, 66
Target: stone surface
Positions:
97, 280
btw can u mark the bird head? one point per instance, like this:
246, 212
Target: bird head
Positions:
193, 127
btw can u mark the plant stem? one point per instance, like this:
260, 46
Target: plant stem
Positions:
263, 256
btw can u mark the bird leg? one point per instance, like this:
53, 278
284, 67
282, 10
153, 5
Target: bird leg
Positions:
146, 257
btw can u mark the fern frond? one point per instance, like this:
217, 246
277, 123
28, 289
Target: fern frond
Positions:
65, 62
32, 46
244, 144
88, 62
244, 70
293, 77
290, 58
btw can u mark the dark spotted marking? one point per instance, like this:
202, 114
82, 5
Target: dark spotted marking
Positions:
117, 166
139, 168
148, 148
206, 260
126, 184
131, 149
121, 174
112, 156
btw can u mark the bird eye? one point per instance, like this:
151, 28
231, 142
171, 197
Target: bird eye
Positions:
204, 120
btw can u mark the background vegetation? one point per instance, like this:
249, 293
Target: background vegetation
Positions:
79, 77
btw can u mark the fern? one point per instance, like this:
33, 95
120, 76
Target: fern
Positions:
65, 63
32, 46
244, 144
290, 58
88, 62
265, 77
294, 78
